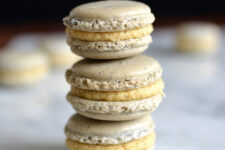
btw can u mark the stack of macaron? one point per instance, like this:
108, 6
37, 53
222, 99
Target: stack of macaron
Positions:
115, 88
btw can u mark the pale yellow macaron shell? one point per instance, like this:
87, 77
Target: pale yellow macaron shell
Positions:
140, 144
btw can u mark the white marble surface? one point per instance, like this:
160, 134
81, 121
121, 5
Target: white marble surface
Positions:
191, 117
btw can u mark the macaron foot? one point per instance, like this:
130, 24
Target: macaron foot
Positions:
144, 143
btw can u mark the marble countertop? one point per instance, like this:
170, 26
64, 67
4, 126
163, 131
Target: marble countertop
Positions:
191, 117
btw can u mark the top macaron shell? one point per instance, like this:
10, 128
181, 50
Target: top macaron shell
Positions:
92, 131
114, 75
108, 16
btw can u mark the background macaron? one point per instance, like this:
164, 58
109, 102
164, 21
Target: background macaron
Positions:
22, 68
109, 29
115, 89
84, 133
58, 52
198, 37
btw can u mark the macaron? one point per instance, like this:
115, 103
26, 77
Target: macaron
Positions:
197, 37
58, 52
109, 29
122, 89
22, 67
83, 134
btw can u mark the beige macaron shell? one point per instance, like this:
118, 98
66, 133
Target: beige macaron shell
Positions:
108, 46
109, 50
107, 132
109, 16
114, 117
110, 54
113, 75
114, 111
109, 9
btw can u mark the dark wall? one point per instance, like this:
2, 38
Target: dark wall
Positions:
53, 10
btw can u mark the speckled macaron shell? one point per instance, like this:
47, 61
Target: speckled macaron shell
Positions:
90, 131
114, 75
114, 111
109, 50
109, 16
111, 55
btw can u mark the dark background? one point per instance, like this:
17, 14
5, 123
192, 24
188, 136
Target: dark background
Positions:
37, 16
26, 11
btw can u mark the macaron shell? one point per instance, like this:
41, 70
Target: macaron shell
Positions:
115, 69
111, 55
109, 16
113, 108
85, 130
109, 9
113, 75
86, 126
144, 143
114, 117
107, 46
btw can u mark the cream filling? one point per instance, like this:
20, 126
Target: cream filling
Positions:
114, 107
109, 25
114, 85
102, 46
105, 140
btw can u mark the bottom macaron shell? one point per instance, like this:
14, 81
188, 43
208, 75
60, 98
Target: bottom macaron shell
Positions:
114, 117
116, 111
111, 55
145, 143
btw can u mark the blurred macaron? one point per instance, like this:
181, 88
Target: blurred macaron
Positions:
201, 37
59, 53
22, 67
